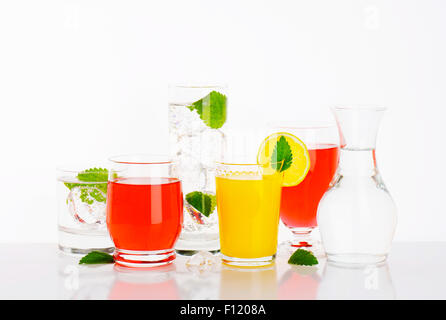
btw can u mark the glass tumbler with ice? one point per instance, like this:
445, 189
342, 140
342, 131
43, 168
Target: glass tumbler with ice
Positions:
81, 196
197, 118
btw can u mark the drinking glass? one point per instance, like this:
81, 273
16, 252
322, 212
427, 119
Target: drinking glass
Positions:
81, 199
298, 208
144, 209
248, 202
197, 120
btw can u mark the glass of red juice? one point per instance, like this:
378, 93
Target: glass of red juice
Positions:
144, 209
298, 208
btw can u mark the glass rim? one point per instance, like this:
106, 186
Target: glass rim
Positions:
155, 159
360, 107
225, 163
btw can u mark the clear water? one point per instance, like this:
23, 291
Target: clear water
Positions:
357, 216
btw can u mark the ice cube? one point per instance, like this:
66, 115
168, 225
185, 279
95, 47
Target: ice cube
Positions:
84, 208
189, 145
202, 262
183, 121
191, 173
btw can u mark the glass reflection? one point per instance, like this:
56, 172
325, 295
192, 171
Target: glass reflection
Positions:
144, 284
199, 280
299, 283
356, 283
248, 283
83, 282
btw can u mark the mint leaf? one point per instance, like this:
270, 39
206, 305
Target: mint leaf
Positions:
91, 192
303, 258
93, 175
97, 257
282, 157
205, 203
211, 109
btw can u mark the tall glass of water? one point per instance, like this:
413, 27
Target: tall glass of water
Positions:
197, 120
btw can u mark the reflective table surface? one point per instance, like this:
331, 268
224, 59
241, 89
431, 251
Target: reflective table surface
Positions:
40, 271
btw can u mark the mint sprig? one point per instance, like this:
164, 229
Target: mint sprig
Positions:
211, 109
303, 258
205, 203
282, 157
92, 191
97, 257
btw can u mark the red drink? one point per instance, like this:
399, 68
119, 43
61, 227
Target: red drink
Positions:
299, 203
144, 214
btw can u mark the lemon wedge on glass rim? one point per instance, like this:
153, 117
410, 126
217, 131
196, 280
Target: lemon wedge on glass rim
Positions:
300, 164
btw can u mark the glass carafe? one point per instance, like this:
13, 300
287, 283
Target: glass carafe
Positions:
357, 216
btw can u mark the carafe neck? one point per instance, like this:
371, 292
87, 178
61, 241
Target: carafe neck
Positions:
358, 126
357, 162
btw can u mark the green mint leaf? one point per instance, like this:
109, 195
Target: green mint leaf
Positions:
97, 257
282, 157
303, 258
71, 185
91, 192
211, 109
93, 175
205, 203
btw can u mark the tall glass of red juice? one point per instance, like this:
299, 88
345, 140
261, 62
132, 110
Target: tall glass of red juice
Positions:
299, 203
144, 209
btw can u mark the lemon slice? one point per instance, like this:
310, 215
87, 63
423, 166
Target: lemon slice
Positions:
300, 165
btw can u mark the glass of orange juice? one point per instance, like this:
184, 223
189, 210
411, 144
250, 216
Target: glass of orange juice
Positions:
248, 204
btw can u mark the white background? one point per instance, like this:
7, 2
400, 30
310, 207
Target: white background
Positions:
83, 80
